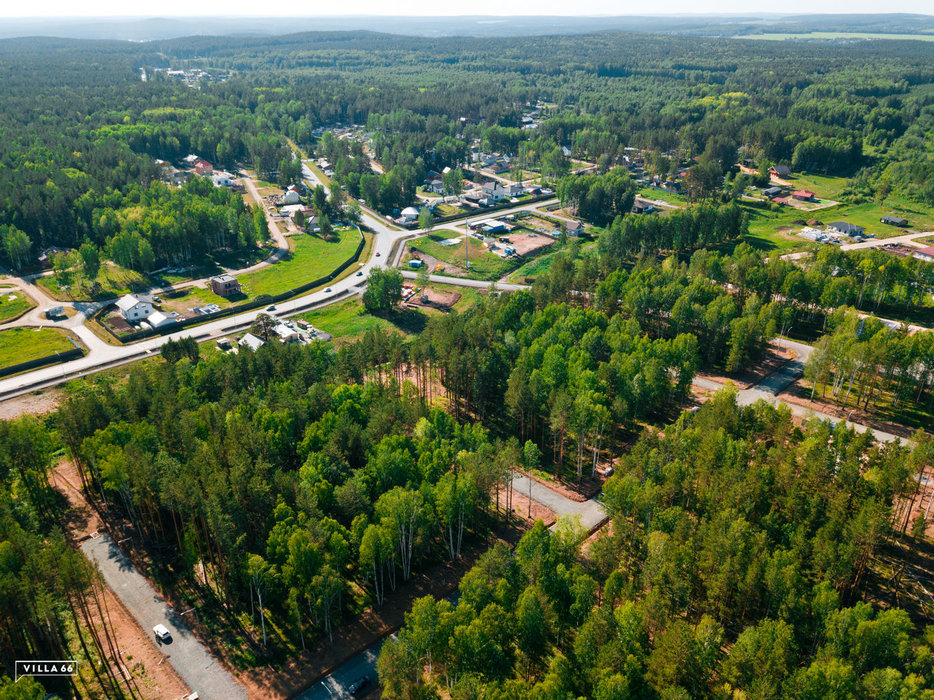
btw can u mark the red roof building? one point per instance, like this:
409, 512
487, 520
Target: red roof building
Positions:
803, 195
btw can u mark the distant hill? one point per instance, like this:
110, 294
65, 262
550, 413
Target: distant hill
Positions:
154, 28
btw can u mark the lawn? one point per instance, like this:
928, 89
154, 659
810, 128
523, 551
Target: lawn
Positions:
484, 265
347, 320
765, 225
312, 258
533, 268
663, 195
188, 298
13, 303
112, 281
25, 344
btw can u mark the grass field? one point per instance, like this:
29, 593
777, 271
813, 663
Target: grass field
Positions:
839, 35
25, 344
112, 281
484, 265
190, 297
663, 195
347, 320
312, 258
13, 303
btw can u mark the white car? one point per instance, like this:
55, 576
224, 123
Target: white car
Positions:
162, 633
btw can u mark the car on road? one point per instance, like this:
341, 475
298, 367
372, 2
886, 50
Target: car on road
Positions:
360, 273
378, 254
359, 685
271, 307
162, 633
327, 291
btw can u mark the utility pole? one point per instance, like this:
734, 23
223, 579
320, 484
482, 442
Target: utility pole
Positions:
467, 244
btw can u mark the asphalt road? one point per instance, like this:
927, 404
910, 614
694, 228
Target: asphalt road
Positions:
768, 389
336, 685
190, 659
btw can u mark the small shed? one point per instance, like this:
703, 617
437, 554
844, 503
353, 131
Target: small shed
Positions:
894, 221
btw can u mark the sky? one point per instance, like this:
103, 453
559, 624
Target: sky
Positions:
243, 8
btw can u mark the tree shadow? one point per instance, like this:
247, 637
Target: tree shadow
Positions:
408, 320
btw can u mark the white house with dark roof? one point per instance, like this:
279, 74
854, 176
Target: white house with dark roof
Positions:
135, 307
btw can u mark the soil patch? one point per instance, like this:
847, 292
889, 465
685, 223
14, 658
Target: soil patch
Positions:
435, 299
856, 415
35, 404
520, 506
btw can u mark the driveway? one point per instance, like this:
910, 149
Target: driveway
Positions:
190, 659
591, 512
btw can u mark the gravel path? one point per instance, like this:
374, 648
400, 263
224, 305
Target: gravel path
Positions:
190, 659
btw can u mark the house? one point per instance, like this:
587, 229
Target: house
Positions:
565, 151
135, 307
642, 207
925, 254
251, 342
671, 186
846, 228
492, 226
203, 167
225, 285
515, 190
576, 228
494, 191
410, 214
291, 197
435, 186
780, 171
894, 221
158, 319
286, 333
222, 179
772, 192
803, 195
55, 312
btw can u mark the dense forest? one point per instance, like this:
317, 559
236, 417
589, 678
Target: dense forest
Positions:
738, 548
81, 130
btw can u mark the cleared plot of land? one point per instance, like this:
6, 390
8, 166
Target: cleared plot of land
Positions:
112, 281
484, 265
526, 243
13, 303
25, 344
185, 300
311, 258
663, 195
348, 319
